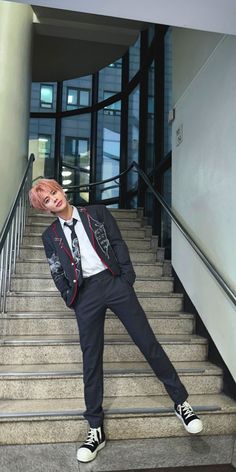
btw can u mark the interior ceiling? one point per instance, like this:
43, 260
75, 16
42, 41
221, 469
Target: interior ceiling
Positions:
71, 44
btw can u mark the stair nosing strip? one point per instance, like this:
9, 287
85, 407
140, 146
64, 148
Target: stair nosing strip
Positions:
109, 412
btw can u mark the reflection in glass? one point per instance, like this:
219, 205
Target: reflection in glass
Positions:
150, 120
75, 152
77, 93
151, 33
108, 154
42, 145
114, 108
109, 80
133, 136
134, 59
43, 96
150, 156
168, 91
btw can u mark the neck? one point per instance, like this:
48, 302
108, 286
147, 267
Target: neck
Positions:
66, 213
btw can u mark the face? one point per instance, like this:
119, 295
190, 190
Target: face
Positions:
55, 201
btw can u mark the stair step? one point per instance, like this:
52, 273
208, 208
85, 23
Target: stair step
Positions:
37, 252
45, 421
65, 323
43, 222
48, 349
121, 379
127, 233
50, 301
39, 266
45, 283
132, 243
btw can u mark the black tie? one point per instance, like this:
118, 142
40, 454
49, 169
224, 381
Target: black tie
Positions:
75, 248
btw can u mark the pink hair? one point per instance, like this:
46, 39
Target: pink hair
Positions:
36, 194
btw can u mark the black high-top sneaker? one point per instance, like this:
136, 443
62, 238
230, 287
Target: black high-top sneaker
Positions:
190, 420
95, 441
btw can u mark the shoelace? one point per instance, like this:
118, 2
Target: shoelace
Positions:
92, 437
187, 410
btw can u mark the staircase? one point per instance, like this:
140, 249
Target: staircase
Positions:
41, 385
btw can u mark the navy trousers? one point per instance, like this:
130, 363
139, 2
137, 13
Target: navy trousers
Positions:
98, 293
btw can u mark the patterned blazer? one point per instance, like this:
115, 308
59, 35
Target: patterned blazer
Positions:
107, 241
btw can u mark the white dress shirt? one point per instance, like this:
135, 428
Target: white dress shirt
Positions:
90, 261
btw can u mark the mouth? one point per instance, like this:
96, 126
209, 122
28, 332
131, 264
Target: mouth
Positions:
59, 204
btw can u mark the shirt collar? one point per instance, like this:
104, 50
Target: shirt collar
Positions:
75, 214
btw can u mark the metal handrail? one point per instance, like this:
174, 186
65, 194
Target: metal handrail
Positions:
11, 235
211, 267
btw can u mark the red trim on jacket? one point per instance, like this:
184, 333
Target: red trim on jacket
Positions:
94, 247
71, 258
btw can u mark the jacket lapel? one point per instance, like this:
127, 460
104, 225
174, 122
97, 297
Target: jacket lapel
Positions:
86, 224
60, 239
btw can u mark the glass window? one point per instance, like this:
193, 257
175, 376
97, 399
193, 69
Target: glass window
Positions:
150, 120
117, 64
108, 154
77, 98
133, 135
109, 79
43, 96
168, 92
42, 145
134, 59
113, 108
75, 152
151, 33
77, 93
46, 96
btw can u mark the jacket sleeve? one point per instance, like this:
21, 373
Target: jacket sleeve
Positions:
56, 268
119, 246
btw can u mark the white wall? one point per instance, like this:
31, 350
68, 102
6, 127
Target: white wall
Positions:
203, 178
15, 81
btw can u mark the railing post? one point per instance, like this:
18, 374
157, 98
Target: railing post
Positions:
12, 235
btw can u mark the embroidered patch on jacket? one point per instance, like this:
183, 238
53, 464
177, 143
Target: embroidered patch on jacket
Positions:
55, 267
101, 236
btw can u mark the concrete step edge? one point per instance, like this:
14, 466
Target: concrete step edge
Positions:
216, 406
56, 294
48, 373
109, 340
141, 278
109, 315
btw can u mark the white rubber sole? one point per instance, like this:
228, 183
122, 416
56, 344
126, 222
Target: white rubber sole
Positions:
196, 426
84, 454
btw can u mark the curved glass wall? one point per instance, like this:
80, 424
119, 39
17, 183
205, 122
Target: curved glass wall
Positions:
92, 128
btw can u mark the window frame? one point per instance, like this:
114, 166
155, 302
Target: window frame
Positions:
78, 104
41, 102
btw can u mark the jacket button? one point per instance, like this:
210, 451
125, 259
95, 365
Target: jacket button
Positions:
74, 281
72, 263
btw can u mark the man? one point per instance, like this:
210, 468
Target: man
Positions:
91, 267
